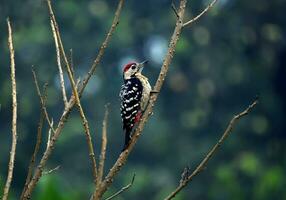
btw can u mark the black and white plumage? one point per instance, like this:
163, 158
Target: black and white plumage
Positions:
134, 96
130, 94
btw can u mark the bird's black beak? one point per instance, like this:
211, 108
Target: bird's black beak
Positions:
141, 65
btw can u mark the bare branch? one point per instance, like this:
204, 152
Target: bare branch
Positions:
115, 22
51, 170
42, 100
122, 189
65, 115
49, 135
71, 61
164, 69
62, 81
103, 147
75, 92
201, 14
204, 162
14, 115
37, 146
38, 172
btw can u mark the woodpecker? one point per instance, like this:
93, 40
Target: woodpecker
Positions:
134, 96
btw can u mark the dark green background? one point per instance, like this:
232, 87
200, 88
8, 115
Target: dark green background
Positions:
235, 52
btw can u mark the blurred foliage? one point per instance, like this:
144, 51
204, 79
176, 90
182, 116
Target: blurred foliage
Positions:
222, 62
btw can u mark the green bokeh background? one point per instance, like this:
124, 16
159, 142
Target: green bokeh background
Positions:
235, 52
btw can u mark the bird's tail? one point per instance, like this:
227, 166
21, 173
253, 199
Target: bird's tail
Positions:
127, 138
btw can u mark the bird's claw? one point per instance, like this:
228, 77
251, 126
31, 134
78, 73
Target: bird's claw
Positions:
154, 92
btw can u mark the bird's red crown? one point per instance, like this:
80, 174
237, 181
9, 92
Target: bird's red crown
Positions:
127, 66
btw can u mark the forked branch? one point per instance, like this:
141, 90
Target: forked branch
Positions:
122, 189
213, 150
38, 143
85, 123
42, 101
201, 14
124, 155
66, 112
14, 115
76, 98
164, 69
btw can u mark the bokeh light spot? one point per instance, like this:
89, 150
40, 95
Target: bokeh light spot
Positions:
178, 82
206, 88
271, 32
234, 74
98, 8
260, 124
201, 35
156, 48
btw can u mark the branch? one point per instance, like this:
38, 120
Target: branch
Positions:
201, 14
164, 69
122, 189
204, 162
97, 60
49, 136
65, 115
103, 147
71, 61
85, 124
44, 108
37, 146
14, 115
175, 9
62, 82
38, 172
51, 170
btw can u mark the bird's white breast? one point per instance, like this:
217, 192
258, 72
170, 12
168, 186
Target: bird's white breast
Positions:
146, 90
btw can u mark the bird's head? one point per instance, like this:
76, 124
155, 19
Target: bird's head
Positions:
133, 68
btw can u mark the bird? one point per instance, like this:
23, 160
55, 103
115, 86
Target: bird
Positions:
134, 96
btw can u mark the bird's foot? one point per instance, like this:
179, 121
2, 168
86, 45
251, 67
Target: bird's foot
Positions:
154, 92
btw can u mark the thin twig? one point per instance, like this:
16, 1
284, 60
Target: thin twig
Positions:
42, 99
51, 170
37, 146
164, 69
62, 81
103, 147
175, 9
201, 14
204, 162
77, 83
66, 112
122, 189
71, 61
49, 136
14, 115
75, 92
39, 169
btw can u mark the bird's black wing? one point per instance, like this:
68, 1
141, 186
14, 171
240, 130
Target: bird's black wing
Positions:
130, 96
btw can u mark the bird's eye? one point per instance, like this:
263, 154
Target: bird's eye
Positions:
133, 67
